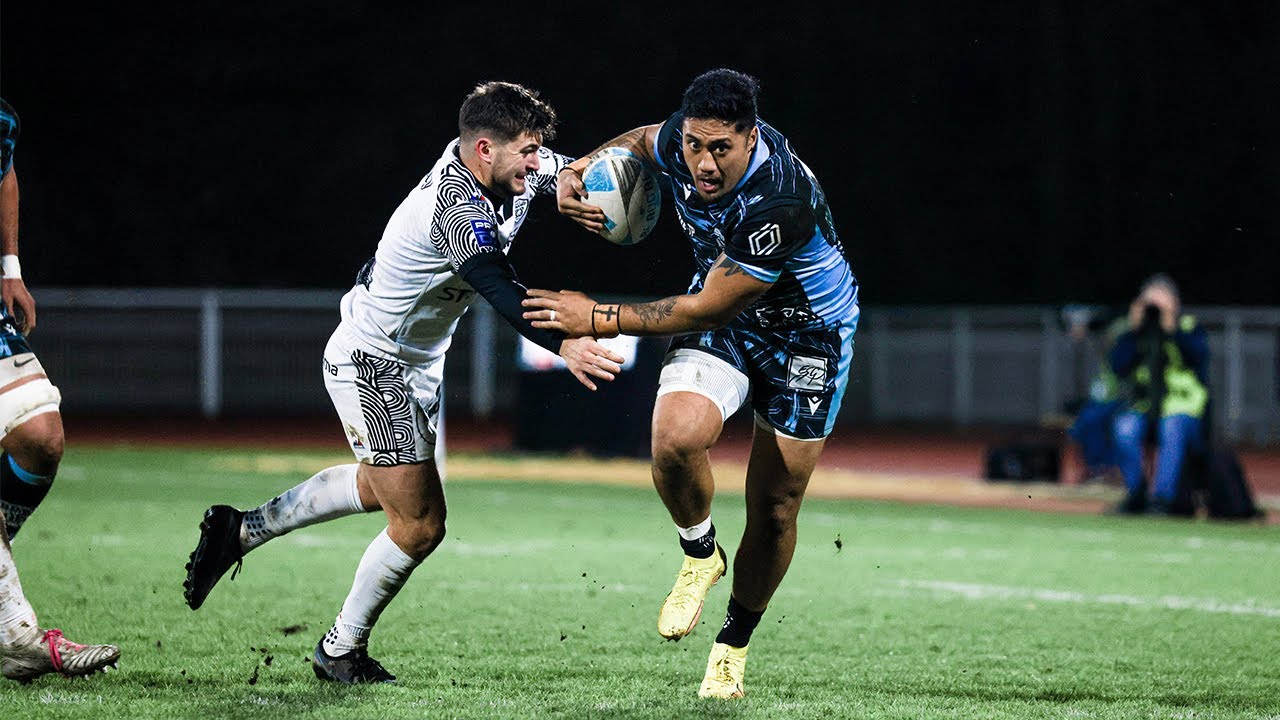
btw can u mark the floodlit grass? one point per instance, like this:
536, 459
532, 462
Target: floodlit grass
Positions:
541, 603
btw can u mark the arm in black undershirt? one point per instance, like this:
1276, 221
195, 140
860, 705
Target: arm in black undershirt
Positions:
491, 274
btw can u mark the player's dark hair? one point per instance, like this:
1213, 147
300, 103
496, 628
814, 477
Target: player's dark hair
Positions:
506, 110
722, 94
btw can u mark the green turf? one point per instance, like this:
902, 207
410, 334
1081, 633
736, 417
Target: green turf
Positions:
542, 601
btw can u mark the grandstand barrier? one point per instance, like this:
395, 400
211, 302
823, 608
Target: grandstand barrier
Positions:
257, 352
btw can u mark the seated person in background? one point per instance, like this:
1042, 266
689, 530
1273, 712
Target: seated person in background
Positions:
1165, 357
1092, 427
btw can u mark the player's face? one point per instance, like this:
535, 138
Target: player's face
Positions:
717, 155
514, 160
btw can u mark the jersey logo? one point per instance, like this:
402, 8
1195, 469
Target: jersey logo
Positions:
806, 373
815, 402
765, 240
483, 230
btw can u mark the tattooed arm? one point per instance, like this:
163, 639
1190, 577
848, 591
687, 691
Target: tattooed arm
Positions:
639, 142
728, 291
570, 191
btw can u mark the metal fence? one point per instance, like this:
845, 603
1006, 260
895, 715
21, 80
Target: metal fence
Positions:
238, 352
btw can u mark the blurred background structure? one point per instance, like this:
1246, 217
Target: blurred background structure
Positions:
200, 183
255, 352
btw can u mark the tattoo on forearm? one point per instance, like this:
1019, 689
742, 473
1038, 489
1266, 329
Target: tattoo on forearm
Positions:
654, 312
731, 268
602, 315
631, 140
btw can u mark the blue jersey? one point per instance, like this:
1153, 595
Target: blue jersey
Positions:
776, 224
8, 136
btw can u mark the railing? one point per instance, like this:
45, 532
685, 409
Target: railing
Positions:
258, 351
1015, 364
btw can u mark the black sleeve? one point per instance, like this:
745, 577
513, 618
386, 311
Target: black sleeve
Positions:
492, 276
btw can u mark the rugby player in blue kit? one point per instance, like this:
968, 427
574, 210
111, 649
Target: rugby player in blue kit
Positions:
772, 311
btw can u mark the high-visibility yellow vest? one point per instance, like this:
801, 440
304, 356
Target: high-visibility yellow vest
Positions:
1184, 393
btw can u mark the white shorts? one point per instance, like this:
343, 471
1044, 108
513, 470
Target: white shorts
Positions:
389, 409
687, 370
32, 398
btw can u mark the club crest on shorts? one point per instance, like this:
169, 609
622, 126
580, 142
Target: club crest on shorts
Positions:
807, 373
354, 437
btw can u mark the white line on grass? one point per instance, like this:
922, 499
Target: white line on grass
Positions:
976, 591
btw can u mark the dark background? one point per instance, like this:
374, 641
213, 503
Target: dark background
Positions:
1021, 152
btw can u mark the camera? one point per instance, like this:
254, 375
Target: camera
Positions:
1150, 318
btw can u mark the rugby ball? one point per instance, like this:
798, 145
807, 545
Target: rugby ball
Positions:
620, 185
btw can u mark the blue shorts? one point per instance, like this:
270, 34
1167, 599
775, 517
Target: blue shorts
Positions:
797, 378
12, 341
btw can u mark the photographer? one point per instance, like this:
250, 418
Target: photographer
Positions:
1165, 357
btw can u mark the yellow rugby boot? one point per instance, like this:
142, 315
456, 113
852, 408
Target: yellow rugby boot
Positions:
725, 669
683, 606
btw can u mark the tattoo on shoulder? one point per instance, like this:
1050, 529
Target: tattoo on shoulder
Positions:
730, 267
655, 311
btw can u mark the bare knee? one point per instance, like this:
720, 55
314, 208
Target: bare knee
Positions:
40, 453
685, 426
776, 519
677, 448
418, 537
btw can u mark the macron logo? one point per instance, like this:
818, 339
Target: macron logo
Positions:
765, 240
814, 404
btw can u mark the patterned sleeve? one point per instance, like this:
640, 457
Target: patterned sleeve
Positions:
770, 234
466, 229
9, 129
544, 181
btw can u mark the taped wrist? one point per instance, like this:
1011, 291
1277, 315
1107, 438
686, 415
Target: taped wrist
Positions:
10, 267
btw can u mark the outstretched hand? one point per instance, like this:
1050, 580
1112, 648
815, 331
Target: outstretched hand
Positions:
585, 358
19, 303
567, 311
570, 193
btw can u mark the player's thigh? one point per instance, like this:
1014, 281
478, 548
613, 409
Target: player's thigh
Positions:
389, 409
29, 402
408, 494
40, 436
698, 389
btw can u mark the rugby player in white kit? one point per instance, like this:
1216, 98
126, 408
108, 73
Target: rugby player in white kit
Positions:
444, 245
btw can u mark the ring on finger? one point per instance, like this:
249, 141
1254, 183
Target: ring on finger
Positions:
553, 316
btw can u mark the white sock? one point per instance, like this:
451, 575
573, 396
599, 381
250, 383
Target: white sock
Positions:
697, 531
17, 619
382, 572
330, 493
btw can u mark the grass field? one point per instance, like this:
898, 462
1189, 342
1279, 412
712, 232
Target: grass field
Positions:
541, 603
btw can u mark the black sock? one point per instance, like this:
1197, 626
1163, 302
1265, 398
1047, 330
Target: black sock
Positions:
739, 623
20, 493
701, 548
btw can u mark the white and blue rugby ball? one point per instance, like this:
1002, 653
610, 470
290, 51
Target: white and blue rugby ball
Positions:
620, 185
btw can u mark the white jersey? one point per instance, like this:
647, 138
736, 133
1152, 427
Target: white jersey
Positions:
407, 300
